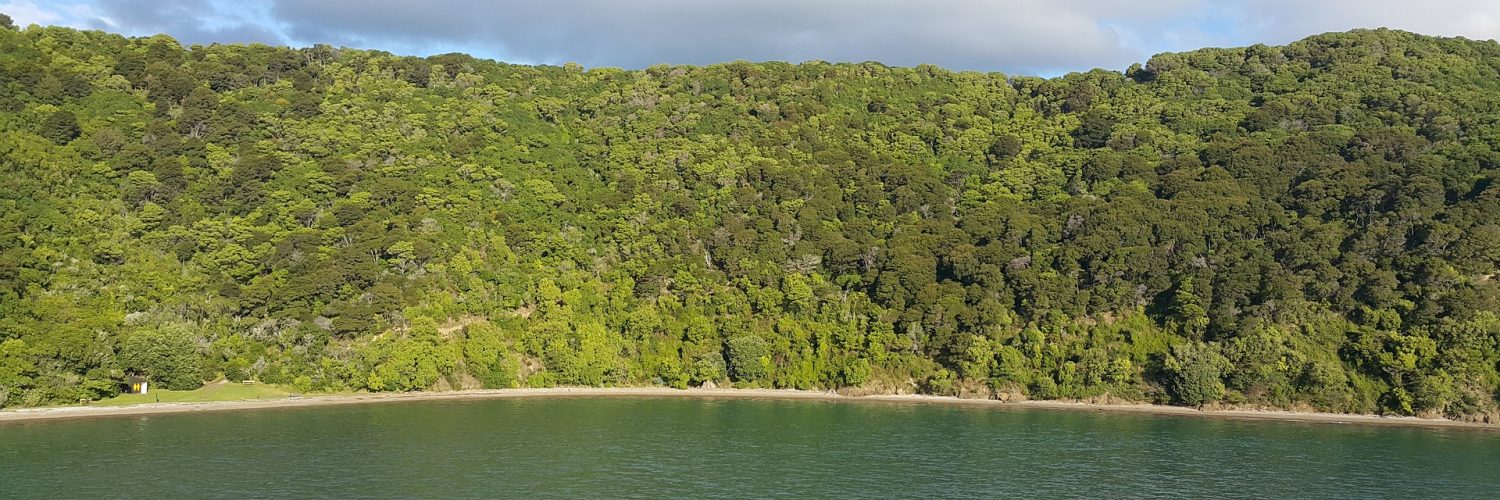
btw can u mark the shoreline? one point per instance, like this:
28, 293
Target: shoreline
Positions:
71, 412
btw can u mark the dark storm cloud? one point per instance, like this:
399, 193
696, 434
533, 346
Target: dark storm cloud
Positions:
1018, 34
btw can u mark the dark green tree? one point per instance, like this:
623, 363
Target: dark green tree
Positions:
1196, 374
748, 358
166, 355
61, 127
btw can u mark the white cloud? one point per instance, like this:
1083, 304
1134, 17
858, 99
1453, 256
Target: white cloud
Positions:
1280, 21
25, 13
73, 15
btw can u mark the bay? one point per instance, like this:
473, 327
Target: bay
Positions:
613, 447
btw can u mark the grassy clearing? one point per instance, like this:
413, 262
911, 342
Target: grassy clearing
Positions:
216, 391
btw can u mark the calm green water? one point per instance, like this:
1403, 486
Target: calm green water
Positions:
688, 448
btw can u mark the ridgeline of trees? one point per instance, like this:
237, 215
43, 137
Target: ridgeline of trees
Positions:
1308, 226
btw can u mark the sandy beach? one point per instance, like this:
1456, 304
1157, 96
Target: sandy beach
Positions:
65, 412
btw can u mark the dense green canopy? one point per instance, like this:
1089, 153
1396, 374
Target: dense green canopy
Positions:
1313, 226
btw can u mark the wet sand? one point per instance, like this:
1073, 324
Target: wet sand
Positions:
64, 412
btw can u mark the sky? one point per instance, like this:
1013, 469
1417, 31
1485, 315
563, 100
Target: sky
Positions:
1040, 37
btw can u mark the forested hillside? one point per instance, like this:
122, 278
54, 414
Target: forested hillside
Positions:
1308, 226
